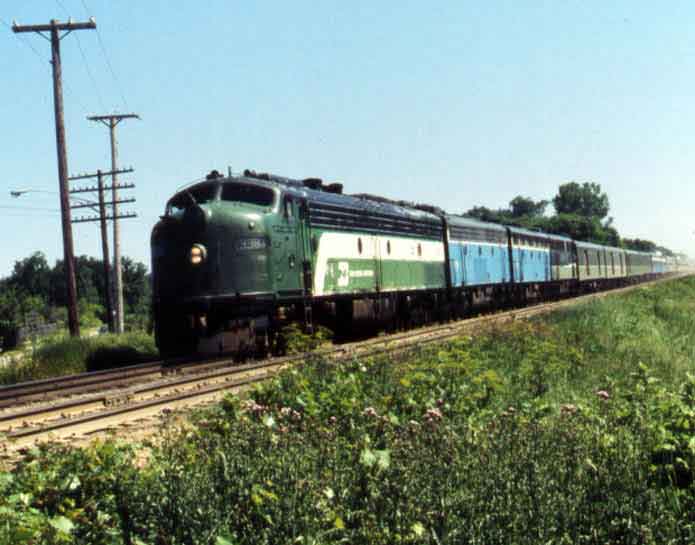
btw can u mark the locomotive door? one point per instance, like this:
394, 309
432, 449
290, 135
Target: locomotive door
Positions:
457, 256
289, 261
305, 247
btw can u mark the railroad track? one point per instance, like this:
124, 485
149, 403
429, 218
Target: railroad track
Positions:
78, 406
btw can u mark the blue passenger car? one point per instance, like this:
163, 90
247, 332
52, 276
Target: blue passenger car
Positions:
478, 252
659, 264
530, 256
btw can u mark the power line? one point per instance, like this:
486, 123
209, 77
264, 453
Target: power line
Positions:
113, 72
62, 6
86, 9
43, 60
89, 72
108, 60
85, 61
26, 42
8, 207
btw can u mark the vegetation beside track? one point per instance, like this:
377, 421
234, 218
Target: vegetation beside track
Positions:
63, 355
573, 428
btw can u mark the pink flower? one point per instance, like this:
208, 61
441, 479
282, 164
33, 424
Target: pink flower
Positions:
251, 406
371, 412
433, 415
568, 408
602, 394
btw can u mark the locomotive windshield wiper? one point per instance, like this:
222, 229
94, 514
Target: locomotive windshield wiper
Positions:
190, 195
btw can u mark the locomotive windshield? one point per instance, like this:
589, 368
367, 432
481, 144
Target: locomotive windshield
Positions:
199, 194
247, 193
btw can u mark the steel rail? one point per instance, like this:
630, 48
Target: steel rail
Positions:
80, 383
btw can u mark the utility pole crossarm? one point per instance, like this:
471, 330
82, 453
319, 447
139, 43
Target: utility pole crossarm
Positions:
112, 118
93, 189
109, 173
107, 203
108, 217
69, 26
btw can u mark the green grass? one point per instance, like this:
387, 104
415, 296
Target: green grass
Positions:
64, 355
574, 428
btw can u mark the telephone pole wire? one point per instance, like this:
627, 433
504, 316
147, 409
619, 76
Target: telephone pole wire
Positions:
111, 121
55, 28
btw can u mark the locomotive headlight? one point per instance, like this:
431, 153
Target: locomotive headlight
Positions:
198, 254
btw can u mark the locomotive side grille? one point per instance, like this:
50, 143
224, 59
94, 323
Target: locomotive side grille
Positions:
347, 219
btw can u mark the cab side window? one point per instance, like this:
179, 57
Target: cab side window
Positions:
287, 208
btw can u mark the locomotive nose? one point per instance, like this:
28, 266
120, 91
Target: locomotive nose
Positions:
243, 254
195, 219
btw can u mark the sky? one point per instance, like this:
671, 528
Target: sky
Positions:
454, 103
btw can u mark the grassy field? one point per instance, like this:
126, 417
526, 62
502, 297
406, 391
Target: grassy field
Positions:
575, 428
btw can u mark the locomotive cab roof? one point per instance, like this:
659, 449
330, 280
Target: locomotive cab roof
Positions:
313, 190
231, 189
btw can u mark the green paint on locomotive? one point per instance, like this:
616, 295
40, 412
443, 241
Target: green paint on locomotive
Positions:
354, 262
237, 241
253, 249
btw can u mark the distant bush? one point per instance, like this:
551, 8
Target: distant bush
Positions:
65, 355
293, 340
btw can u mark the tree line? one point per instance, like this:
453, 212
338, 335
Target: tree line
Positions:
36, 288
581, 213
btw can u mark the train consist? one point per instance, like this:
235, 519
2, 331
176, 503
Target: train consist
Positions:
235, 258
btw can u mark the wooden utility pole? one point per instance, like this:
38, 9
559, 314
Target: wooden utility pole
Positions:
55, 28
111, 121
105, 252
102, 219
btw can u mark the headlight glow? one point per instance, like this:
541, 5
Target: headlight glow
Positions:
198, 254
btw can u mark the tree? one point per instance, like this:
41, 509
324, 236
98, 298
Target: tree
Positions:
32, 275
665, 251
483, 213
584, 200
525, 207
640, 245
581, 228
136, 285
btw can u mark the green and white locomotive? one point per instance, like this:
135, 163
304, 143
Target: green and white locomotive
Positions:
234, 258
